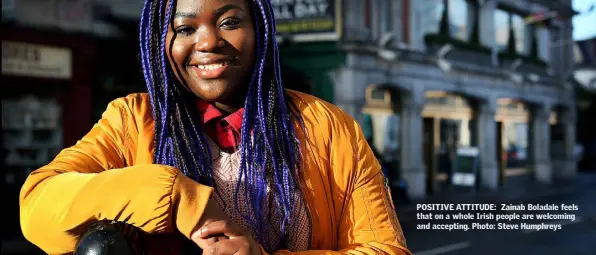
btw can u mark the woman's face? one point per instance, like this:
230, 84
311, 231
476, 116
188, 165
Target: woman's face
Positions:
212, 48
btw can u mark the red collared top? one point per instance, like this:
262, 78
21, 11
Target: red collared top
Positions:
223, 129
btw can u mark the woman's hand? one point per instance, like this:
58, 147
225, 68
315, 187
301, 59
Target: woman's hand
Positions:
225, 238
212, 213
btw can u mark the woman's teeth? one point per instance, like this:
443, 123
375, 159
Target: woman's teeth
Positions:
212, 66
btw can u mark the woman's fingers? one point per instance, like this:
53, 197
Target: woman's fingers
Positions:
214, 232
231, 239
218, 228
234, 246
204, 243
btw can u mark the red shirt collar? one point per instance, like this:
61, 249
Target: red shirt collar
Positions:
224, 129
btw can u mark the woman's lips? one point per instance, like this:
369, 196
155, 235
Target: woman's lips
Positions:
211, 71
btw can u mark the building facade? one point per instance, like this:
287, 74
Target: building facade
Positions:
52, 60
425, 78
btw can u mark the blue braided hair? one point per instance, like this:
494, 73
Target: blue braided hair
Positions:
270, 160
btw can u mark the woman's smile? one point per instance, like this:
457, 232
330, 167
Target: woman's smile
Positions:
212, 67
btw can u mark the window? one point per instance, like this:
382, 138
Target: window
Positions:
376, 9
504, 22
543, 38
367, 14
378, 94
389, 16
460, 19
443, 100
391, 137
428, 16
501, 29
519, 28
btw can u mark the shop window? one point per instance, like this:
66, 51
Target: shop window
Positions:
31, 132
391, 145
444, 100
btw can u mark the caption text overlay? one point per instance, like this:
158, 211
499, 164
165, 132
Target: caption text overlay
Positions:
464, 217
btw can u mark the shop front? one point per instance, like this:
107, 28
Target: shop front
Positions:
308, 34
447, 126
46, 101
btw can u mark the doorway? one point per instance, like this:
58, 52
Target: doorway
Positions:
431, 141
501, 154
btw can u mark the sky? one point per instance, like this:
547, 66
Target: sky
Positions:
584, 24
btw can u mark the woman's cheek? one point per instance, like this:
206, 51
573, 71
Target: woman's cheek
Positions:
180, 53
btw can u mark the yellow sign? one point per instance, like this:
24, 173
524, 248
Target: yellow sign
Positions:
308, 20
33, 60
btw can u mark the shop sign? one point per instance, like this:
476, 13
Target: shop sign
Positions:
33, 60
465, 166
308, 20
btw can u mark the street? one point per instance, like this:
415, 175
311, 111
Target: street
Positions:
574, 237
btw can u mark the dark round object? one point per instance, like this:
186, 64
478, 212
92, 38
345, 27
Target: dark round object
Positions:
103, 238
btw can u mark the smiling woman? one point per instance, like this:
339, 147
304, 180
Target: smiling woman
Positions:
217, 152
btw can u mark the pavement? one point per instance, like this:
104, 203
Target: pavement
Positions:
577, 234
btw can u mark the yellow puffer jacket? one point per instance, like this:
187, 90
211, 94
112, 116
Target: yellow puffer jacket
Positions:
109, 174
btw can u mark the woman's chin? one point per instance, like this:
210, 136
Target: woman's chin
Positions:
219, 90
210, 90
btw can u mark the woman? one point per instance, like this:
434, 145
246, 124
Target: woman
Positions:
217, 152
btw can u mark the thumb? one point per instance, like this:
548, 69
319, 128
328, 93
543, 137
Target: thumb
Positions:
222, 227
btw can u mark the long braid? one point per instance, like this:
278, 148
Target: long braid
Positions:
252, 171
164, 72
157, 82
269, 146
272, 142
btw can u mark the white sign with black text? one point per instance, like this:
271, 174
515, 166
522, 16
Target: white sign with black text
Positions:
464, 173
34, 60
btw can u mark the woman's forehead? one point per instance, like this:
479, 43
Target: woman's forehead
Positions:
199, 6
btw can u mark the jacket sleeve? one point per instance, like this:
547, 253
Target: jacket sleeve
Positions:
95, 180
367, 221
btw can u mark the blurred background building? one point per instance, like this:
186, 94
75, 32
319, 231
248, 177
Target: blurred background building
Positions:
585, 76
423, 78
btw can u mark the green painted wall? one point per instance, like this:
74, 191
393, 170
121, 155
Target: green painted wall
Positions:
315, 60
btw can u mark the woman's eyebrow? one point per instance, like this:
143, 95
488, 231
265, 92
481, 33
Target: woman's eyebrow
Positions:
190, 15
217, 13
226, 8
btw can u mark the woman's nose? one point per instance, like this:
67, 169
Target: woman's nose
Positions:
208, 40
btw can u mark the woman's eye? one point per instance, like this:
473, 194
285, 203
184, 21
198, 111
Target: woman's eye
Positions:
230, 23
184, 30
